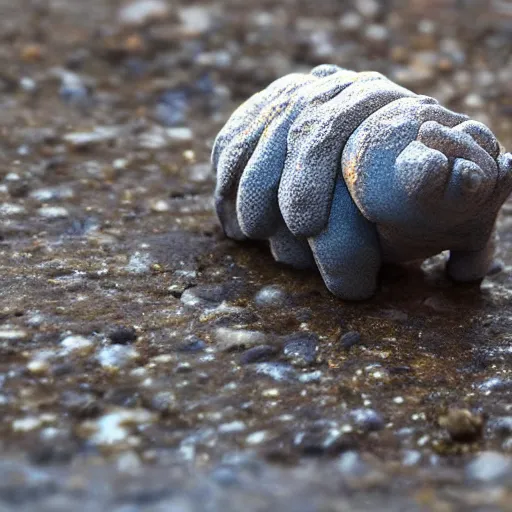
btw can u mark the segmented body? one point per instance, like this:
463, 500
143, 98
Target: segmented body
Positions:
343, 170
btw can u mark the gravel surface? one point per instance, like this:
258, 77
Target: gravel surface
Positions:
148, 363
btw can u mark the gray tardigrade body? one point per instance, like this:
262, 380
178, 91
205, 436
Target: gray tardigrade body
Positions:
345, 171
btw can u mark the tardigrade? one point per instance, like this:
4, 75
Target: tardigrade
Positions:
344, 171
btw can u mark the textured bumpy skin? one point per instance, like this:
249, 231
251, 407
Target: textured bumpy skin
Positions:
344, 171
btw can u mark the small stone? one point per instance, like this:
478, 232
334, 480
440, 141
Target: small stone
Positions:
8, 333
367, 420
53, 212
462, 425
351, 22
129, 463
38, 366
139, 263
278, 371
501, 426
196, 19
165, 403
141, 12
232, 428
376, 34
351, 464
114, 427
180, 134
349, 339
257, 437
495, 384
489, 466
159, 205
122, 335
26, 424
116, 356
368, 8
206, 296
73, 89
52, 193
81, 140
258, 354
300, 348
7, 209
232, 339
271, 297
192, 344
76, 344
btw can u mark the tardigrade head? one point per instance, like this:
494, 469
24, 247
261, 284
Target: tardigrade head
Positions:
426, 171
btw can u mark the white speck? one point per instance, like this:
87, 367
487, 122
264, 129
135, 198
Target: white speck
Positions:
398, 400
11, 209
422, 441
182, 134
139, 263
141, 12
8, 333
272, 392
116, 356
159, 206
38, 366
76, 344
119, 164
53, 212
26, 424
257, 437
231, 428
114, 427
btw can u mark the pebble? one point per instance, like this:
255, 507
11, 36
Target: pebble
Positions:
81, 140
122, 335
272, 296
7, 209
300, 348
351, 464
171, 108
180, 134
258, 354
502, 426
495, 384
159, 205
191, 344
76, 344
280, 372
8, 333
490, 466
349, 339
164, 402
116, 356
231, 339
141, 12
53, 212
73, 90
367, 420
196, 19
52, 193
26, 424
206, 296
368, 8
232, 428
139, 263
114, 427
462, 425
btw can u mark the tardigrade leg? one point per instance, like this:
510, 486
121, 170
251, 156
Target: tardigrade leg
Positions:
472, 265
290, 250
347, 251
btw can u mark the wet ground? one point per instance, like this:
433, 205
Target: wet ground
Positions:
146, 362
